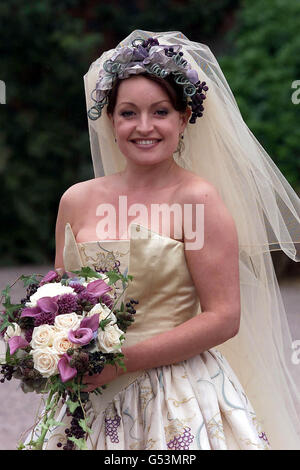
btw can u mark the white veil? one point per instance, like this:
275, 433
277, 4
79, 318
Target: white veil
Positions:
221, 148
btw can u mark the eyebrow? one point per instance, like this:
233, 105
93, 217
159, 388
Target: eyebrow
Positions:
153, 104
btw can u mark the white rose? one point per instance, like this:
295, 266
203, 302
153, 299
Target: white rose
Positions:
67, 321
11, 331
104, 313
49, 290
61, 342
45, 361
42, 336
109, 339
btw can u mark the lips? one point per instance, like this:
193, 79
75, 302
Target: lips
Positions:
145, 142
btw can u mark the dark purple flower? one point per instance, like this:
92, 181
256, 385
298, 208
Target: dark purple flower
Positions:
85, 296
67, 303
44, 318
81, 336
107, 300
76, 286
65, 370
28, 334
17, 342
50, 276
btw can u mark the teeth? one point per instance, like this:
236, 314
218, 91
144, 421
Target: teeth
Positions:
145, 142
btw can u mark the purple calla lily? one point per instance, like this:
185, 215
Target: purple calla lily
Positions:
65, 370
17, 342
81, 336
45, 304
50, 276
97, 288
90, 322
48, 304
30, 312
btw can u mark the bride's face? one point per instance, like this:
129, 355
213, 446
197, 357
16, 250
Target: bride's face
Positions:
146, 125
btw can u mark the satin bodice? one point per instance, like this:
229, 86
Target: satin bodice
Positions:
161, 280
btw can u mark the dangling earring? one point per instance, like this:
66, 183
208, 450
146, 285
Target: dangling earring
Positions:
180, 146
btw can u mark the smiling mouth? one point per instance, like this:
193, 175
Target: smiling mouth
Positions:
146, 142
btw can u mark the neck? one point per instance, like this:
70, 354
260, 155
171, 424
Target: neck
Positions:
150, 177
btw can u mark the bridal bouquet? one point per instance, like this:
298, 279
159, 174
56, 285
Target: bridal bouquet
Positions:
66, 326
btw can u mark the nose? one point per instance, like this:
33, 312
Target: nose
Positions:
144, 124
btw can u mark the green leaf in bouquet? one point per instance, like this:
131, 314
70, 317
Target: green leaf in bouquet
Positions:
7, 355
11, 359
72, 405
113, 277
122, 365
87, 272
80, 443
5, 323
104, 322
10, 309
84, 426
119, 361
6, 291
30, 279
51, 423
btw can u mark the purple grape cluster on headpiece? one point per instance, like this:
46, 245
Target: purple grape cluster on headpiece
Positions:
156, 59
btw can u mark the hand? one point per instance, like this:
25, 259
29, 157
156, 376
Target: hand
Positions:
108, 374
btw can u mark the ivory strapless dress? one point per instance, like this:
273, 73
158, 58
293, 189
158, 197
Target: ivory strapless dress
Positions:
196, 404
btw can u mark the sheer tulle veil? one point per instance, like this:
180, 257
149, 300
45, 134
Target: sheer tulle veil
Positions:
221, 148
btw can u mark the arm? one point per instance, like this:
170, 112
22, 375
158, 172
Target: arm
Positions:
214, 270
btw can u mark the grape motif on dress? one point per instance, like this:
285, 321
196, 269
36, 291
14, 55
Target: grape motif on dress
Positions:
179, 436
112, 422
261, 434
101, 261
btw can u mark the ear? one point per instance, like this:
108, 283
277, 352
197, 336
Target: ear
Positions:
112, 123
184, 118
111, 118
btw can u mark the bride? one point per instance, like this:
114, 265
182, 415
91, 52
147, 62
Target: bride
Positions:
166, 132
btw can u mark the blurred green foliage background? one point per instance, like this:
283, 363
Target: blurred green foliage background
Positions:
47, 46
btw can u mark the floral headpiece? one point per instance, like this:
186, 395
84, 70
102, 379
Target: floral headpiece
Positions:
149, 56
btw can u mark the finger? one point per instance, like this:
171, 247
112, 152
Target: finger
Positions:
88, 379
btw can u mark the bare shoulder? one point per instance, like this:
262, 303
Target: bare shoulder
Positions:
195, 189
78, 190
218, 221
73, 203
80, 193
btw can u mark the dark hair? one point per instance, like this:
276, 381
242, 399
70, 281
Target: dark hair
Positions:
172, 89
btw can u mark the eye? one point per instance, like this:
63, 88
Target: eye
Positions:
126, 114
162, 112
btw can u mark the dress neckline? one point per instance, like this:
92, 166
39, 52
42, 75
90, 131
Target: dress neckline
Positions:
134, 226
